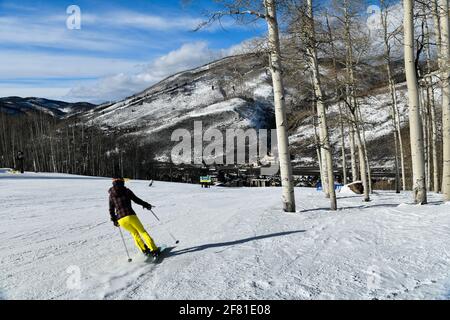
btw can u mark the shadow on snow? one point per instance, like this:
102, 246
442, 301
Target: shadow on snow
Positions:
231, 243
385, 205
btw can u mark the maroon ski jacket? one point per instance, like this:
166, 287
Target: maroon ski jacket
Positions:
120, 202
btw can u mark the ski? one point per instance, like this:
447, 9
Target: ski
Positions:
158, 259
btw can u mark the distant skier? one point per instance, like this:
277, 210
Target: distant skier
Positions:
20, 158
123, 215
151, 183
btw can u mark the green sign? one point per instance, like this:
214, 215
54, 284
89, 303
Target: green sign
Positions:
205, 179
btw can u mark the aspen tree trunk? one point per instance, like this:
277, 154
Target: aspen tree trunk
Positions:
397, 171
355, 175
434, 142
393, 93
343, 154
438, 38
429, 143
431, 104
396, 139
321, 110
316, 137
68, 155
445, 79
400, 140
74, 156
348, 101
324, 164
280, 108
423, 117
437, 30
341, 118
366, 156
316, 141
13, 150
429, 157
352, 102
320, 154
417, 155
351, 129
362, 158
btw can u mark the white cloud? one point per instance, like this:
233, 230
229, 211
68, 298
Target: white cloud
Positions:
18, 64
85, 52
15, 31
127, 19
121, 85
188, 56
132, 19
99, 32
51, 34
26, 91
150, 22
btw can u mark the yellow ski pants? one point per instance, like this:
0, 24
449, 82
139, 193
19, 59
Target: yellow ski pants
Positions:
134, 226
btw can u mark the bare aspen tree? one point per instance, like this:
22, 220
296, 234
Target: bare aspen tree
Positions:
300, 26
351, 100
434, 143
343, 152
437, 30
280, 108
361, 153
424, 119
353, 151
432, 120
320, 156
445, 83
325, 145
415, 124
337, 92
427, 133
398, 141
366, 156
426, 95
242, 8
317, 140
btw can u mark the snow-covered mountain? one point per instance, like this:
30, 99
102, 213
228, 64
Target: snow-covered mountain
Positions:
234, 92
20, 106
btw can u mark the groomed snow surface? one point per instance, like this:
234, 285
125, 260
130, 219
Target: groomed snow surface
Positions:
56, 242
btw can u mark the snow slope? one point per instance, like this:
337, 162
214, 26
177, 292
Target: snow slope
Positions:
234, 243
376, 109
210, 90
236, 92
231, 93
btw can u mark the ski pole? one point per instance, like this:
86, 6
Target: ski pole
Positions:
154, 214
124, 244
176, 241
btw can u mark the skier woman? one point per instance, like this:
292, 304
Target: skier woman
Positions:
123, 215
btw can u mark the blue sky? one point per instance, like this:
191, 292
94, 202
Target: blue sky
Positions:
121, 48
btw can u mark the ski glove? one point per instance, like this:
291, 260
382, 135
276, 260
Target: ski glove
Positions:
115, 222
148, 206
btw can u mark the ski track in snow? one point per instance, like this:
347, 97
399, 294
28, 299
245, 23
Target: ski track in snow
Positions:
235, 243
